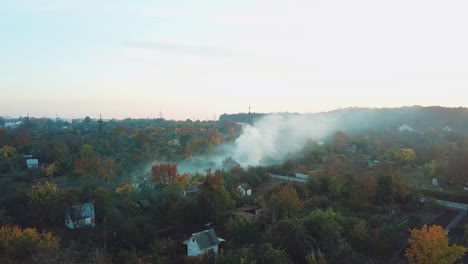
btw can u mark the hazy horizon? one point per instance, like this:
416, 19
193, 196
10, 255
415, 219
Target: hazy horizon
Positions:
199, 59
217, 116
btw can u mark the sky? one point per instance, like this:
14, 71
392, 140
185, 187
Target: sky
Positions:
198, 59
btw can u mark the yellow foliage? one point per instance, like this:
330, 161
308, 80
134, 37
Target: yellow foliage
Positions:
430, 246
87, 150
18, 242
125, 189
7, 152
405, 155
50, 170
43, 193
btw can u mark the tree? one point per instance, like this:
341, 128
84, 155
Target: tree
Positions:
291, 235
430, 245
21, 138
253, 254
283, 202
313, 259
17, 244
385, 190
213, 197
50, 170
339, 141
87, 150
368, 185
44, 194
164, 173
240, 229
7, 152
46, 200
405, 155
325, 226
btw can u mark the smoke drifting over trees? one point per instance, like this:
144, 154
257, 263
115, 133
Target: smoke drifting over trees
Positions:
275, 136
269, 140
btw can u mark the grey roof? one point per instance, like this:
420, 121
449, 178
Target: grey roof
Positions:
191, 189
82, 211
206, 239
245, 186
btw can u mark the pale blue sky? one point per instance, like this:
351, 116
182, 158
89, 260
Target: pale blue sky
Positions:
198, 58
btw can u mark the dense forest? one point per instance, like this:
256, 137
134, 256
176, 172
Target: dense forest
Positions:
364, 190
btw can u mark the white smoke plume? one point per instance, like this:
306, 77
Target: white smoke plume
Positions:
275, 136
267, 142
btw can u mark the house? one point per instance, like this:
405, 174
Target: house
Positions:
203, 242
245, 189
405, 128
301, 175
32, 163
79, 216
143, 205
189, 191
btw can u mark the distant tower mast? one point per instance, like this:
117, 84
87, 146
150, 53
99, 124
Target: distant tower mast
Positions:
99, 129
250, 118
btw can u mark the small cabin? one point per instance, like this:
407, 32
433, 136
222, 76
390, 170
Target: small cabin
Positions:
78, 216
203, 242
189, 191
245, 189
32, 163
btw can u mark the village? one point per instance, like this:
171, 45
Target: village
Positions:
90, 191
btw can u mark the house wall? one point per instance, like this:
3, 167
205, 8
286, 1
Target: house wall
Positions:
214, 248
241, 190
193, 250
249, 192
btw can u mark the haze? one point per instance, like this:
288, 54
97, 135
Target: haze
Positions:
199, 59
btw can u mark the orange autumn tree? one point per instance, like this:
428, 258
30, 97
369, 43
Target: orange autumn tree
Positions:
430, 245
164, 173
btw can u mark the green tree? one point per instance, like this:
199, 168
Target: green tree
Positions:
240, 229
312, 258
291, 235
385, 190
325, 227
253, 254
87, 150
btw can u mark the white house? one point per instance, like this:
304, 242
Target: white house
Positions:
245, 189
189, 191
32, 163
405, 128
301, 175
79, 216
203, 242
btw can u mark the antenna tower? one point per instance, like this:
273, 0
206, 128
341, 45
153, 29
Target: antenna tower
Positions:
99, 129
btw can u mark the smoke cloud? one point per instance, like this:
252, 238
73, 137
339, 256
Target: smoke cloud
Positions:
275, 136
267, 142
